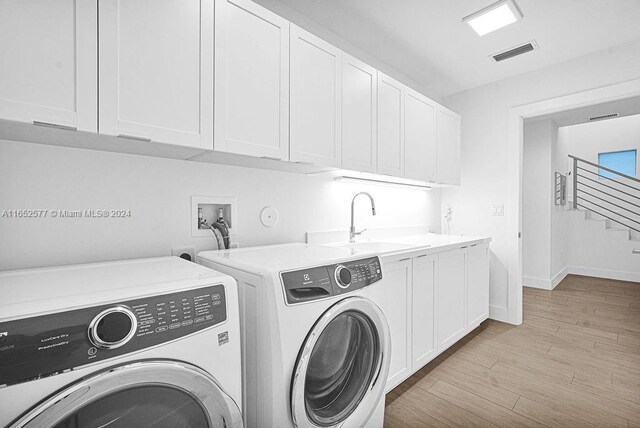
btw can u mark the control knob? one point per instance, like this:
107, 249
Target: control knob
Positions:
343, 276
113, 327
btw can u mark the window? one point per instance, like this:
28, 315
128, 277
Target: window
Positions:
623, 162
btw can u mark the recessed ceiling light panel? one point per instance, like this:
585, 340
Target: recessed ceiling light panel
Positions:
493, 17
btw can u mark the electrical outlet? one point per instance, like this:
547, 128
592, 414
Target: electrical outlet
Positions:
497, 210
186, 252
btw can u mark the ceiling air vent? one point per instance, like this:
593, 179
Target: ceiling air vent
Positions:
604, 116
518, 50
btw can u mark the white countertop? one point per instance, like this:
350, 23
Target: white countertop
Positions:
423, 243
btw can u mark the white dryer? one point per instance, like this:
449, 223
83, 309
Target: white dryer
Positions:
141, 343
316, 346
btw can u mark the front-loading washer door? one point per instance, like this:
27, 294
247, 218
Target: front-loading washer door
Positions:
342, 368
158, 393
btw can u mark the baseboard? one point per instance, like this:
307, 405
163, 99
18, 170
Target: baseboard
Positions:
499, 313
559, 277
545, 284
605, 273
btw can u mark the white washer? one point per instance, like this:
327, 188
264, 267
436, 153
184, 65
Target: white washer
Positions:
151, 342
316, 346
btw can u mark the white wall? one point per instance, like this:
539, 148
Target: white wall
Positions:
593, 251
587, 140
537, 199
485, 139
555, 241
545, 225
596, 251
560, 216
158, 193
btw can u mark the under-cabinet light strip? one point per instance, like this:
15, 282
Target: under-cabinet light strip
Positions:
370, 180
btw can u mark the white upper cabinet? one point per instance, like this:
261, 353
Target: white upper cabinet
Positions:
48, 62
156, 70
252, 80
359, 106
222, 75
448, 129
390, 126
419, 137
315, 99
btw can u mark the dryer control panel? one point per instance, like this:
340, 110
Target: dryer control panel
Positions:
46, 345
314, 283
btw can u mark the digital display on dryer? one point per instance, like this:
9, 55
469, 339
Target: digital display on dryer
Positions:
42, 346
314, 283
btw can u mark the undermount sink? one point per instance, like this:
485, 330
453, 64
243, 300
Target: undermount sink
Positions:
378, 247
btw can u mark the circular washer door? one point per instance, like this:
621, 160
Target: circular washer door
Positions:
342, 367
155, 394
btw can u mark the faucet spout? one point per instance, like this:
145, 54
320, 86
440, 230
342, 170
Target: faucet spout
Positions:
352, 230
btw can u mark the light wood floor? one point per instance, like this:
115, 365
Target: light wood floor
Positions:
575, 361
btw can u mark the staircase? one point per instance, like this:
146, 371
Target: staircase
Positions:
605, 223
606, 193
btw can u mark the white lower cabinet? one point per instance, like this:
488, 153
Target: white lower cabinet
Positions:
451, 297
397, 297
431, 302
477, 284
423, 309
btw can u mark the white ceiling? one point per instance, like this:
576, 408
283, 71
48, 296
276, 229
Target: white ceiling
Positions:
624, 107
427, 41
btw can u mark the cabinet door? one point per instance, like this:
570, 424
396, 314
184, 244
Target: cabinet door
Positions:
419, 137
423, 310
252, 80
390, 126
477, 284
448, 131
48, 62
359, 100
397, 309
156, 70
315, 99
451, 297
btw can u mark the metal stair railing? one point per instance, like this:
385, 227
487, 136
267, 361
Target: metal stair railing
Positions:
600, 194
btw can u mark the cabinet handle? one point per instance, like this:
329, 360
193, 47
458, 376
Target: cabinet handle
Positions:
635, 251
305, 163
404, 260
275, 158
55, 125
421, 255
473, 245
133, 137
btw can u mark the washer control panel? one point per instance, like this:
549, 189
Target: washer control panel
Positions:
306, 285
46, 345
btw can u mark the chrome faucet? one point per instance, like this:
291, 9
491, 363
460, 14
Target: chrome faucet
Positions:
352, 231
